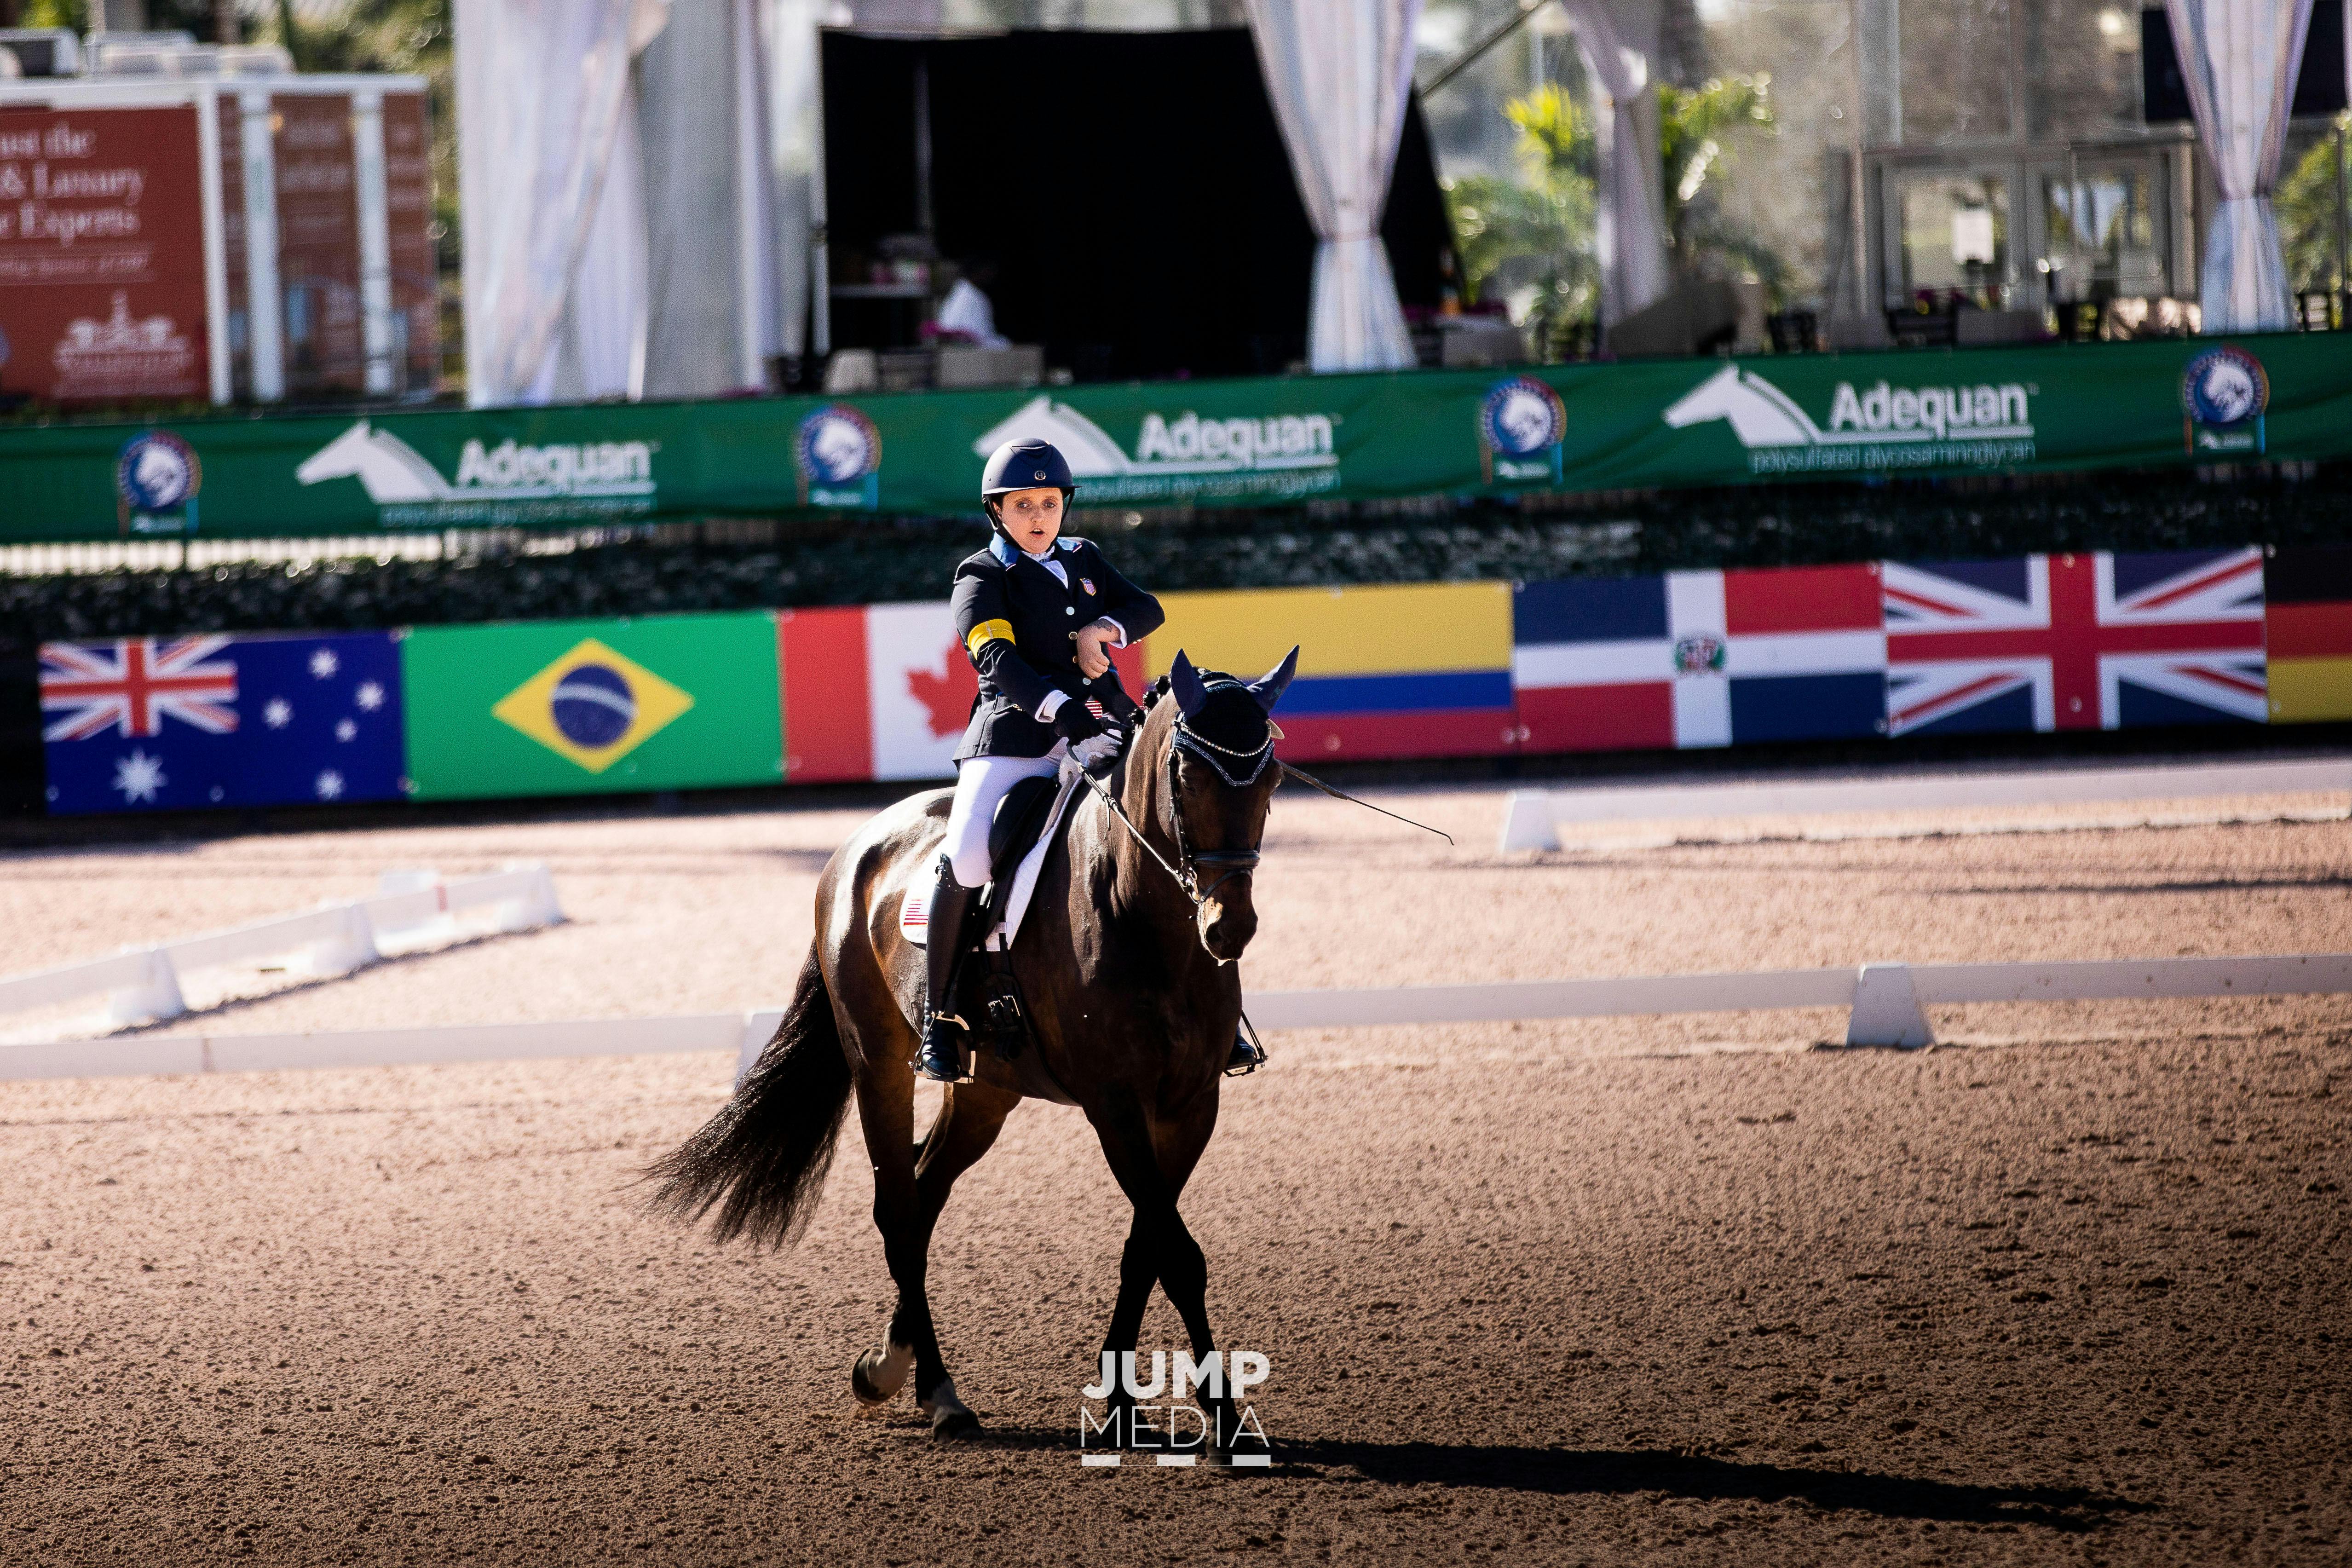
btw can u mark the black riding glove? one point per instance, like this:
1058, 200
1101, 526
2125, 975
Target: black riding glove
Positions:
1074, 722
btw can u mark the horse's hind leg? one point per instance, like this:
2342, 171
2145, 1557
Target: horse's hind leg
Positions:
908, 1199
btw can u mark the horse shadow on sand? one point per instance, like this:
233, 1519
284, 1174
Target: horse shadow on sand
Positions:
1566, 1472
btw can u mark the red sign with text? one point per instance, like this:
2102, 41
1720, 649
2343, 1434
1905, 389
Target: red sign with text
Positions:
101, 255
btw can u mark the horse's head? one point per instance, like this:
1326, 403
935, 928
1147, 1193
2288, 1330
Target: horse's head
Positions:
1216, 778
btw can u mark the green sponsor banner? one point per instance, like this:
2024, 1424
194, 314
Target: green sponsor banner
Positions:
582, 707
1230, 444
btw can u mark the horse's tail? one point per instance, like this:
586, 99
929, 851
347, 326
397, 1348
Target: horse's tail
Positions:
762, 1161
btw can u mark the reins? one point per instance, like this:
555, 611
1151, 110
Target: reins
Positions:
1186, 873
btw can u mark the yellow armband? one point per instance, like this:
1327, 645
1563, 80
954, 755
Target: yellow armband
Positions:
985, 633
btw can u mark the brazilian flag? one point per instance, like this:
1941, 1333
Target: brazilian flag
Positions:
581, 707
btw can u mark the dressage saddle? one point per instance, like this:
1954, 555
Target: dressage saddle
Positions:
1019, 819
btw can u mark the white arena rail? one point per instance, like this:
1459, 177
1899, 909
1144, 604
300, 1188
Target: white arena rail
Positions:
1885, 999
139, 1055
1533, 817
143, 982
1885, 1002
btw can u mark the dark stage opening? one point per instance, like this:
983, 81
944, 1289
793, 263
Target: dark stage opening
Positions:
1132, 188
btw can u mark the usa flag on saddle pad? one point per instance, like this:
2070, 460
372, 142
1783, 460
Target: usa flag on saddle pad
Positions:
2076, 642
1699, 659
157, 724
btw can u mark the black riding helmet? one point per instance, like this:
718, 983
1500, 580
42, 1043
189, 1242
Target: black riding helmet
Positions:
1026, 464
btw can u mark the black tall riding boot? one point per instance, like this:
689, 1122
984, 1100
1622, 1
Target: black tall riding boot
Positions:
945, 935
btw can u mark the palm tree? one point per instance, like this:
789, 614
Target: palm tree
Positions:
2306, 204
1697, 127
1534, 234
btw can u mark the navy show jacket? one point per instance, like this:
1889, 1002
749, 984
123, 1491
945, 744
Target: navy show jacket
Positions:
1020, 629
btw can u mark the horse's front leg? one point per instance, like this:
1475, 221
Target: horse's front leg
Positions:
1184, 1268
1151, 1164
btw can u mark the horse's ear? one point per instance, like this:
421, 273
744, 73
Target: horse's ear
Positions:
1185, 682
1268, 688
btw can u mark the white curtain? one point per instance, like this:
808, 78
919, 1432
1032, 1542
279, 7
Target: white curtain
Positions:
2239, 59
1339, 73
789, 43
1618, 39
544, 114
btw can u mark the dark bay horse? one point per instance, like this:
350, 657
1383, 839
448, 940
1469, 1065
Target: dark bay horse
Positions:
1125, 962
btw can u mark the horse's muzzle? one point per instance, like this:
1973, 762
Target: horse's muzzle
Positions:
1228, 921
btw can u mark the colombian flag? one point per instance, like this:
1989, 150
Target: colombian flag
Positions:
2307, 625
1417, 670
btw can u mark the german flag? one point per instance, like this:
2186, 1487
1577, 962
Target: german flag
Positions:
2307, 625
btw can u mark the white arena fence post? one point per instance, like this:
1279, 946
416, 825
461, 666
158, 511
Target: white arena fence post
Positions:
154, 995
760, 1026
1528, 821
1886, 1009
350, 945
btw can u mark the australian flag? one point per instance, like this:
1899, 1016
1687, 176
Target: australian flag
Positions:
171, 723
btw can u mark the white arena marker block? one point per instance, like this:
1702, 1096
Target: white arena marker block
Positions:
349, 944
155, 994
1886, 1009
1528, 822
760, 1026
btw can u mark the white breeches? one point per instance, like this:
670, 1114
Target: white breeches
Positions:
981, 783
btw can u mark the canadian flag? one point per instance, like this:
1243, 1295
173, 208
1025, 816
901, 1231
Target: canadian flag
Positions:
880, 691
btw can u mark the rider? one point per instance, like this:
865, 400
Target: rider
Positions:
1038, 615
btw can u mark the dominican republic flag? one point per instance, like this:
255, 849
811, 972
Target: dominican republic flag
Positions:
1699, 659
168, 723
2076, 642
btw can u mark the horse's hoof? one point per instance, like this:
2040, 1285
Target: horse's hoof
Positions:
875, 1376
951, 1417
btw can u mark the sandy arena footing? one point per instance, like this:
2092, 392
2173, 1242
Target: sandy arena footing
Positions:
2070, 1289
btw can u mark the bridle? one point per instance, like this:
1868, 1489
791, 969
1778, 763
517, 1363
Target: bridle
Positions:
1233, 863
1191, 863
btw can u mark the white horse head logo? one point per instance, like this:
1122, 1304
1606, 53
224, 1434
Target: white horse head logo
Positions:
1085, 444
392, 470
1761, 415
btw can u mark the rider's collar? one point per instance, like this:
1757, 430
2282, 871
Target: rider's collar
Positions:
1007, 553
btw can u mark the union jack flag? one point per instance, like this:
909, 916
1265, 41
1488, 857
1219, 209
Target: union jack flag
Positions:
2076, 642
134, 685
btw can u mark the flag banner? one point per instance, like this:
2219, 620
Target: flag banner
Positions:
1417, 670
2076, 642
1241, 443
164, 723
1440, 669
2307, 628
828, 710
580, 707
920, 687
1699, 659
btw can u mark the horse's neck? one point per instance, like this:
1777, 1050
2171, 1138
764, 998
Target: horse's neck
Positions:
1139, 881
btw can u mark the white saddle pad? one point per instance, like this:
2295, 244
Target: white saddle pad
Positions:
914, 912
